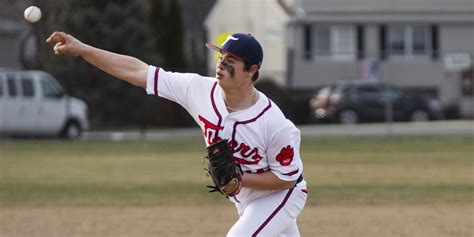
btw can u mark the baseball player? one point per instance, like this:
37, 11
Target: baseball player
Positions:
272, 191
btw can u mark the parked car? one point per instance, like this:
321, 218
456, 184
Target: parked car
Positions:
350, 102
33, 103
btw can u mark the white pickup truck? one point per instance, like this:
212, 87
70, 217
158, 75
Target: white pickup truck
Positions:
33, 103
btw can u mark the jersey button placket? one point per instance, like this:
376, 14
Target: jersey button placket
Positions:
227, 124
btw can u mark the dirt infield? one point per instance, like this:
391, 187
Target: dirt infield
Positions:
365, 220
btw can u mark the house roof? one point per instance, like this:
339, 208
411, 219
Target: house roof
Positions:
387, 11
387, 6
287, 6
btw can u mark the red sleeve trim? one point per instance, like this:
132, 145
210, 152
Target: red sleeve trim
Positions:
156, 80
292, 173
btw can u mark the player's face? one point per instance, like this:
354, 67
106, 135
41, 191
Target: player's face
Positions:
230, 68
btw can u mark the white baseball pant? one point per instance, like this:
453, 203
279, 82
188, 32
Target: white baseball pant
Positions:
270, 216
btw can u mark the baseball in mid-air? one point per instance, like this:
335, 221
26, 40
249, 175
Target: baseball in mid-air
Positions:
32, 14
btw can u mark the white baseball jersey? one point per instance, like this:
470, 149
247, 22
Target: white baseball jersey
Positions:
261, 137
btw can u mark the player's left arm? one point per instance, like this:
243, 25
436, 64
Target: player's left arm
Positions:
265, 181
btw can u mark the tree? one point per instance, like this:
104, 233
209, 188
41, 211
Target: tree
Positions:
149, 30
117, 26
167, 29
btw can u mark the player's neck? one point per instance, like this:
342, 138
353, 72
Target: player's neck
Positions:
237, 100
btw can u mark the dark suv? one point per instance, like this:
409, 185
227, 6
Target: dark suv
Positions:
351, 102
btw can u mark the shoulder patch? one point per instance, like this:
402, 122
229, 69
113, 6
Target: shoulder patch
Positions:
286, 156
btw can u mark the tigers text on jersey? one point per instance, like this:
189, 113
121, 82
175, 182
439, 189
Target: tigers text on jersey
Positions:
261, 137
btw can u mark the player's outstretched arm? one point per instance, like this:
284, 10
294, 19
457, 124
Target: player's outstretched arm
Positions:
121, 66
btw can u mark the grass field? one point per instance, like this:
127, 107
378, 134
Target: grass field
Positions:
45, 184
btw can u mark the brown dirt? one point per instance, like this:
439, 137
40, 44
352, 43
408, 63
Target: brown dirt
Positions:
365, 220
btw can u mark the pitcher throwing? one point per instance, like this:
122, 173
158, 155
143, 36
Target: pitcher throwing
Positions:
271, 192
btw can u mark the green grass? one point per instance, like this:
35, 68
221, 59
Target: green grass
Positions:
352, 170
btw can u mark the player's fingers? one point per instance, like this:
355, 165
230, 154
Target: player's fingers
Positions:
50, 38
57, 37
58, 48
55, 48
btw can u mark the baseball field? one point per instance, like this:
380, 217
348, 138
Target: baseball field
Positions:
398, 186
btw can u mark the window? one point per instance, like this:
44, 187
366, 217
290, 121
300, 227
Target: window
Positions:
368, 89
322, 42
11, 86
421, 40
1, 87
397, 41
409, 40
49, 90
27, 87
337, 42
390, 92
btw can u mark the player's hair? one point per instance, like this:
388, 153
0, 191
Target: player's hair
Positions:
247, 68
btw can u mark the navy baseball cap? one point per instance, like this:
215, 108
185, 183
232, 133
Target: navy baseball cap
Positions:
242, 46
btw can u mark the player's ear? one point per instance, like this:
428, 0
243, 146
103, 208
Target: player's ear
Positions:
253, 69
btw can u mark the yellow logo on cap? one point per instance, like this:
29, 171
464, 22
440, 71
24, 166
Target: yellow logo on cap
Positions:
221, 38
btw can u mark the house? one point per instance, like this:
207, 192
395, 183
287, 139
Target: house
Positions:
15, 35
311, 43
193, 14
265, 19
409, 43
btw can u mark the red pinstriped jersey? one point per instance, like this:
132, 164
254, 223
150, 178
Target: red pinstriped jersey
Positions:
261, 138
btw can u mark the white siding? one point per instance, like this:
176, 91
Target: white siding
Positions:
265, 19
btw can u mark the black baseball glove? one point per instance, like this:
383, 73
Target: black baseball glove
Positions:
223, 169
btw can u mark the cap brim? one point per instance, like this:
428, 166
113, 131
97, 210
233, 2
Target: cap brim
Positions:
221, 50
213, 47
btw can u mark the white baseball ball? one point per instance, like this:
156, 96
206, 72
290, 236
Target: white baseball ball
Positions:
32, 14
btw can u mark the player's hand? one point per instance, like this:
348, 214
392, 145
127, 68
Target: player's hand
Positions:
232, 188
65, 44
